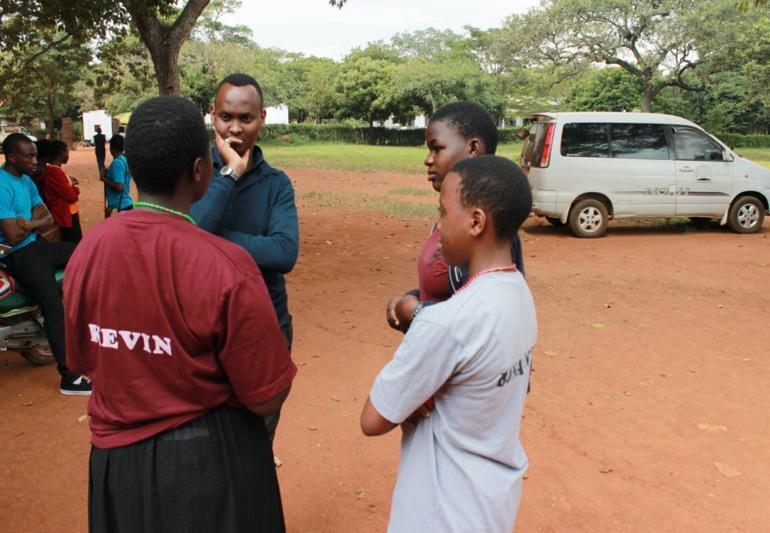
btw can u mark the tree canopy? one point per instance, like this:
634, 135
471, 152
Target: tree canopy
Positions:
704, 59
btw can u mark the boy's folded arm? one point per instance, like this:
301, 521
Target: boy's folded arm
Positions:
372, 422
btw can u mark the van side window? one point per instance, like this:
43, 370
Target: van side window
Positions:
638, 141
582, 139
692, 145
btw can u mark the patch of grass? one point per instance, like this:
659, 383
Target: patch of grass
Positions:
322, 199
383, 204
404, 209
758, 155
403, 159
359, 157
411, 191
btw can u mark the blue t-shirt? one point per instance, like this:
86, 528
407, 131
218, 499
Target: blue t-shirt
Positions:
18, 196
119, 173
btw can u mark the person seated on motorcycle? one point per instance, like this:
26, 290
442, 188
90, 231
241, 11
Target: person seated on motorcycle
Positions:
32, 260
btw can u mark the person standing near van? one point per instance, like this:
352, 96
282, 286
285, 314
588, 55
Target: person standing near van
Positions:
462, 467
455, 132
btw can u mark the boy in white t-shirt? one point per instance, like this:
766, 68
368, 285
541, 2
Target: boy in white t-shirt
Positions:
462, 466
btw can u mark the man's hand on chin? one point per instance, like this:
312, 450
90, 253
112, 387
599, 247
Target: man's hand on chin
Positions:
231, 158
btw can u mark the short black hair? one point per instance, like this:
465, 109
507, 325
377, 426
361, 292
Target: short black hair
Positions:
13, 141
241, 80
54, 149
165, 136
117, 143
470, 120
498, 186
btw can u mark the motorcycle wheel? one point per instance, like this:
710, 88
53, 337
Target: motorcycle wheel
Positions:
38, 355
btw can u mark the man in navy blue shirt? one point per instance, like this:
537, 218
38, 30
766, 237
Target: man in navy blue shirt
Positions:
249, 202
30, 259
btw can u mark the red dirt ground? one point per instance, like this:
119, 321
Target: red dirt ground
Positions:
649, 403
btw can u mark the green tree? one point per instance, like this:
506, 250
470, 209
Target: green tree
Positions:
424, 86
211, 28
309, 88
430, 44
605, 89
162, 27
362, 85
656, 42
45, 88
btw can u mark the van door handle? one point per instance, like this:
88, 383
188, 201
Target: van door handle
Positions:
685, 169
704, 179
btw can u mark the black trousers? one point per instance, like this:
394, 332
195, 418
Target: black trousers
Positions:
34, 266
73, 234
100, 155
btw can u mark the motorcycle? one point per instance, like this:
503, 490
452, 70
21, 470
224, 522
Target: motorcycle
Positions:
21, 322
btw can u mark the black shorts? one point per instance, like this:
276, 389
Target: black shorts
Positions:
214, 474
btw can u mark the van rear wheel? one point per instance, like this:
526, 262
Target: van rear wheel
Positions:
589, 218
746, 215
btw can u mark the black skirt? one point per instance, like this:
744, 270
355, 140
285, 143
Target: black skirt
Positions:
214, 474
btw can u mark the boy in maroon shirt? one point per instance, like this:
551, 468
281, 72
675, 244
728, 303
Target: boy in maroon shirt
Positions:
177, 332
455, 132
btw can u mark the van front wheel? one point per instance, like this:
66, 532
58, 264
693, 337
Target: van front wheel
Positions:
589, 218
746, 215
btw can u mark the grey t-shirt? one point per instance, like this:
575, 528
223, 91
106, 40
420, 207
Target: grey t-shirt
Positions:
461, 468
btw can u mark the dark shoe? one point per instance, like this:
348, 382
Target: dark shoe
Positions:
75, 386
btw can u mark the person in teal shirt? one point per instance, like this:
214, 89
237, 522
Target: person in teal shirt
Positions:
117, 180
30, 259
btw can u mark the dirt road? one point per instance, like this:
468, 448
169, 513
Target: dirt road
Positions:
649, 403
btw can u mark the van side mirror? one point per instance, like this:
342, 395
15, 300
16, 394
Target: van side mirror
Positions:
727, 155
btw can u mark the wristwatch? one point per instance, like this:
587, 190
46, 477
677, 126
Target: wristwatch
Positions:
417, 309
228, 172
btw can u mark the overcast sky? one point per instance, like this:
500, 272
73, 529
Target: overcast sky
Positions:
313, 27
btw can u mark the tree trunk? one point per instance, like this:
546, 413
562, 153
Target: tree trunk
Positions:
371, 129
164, 59
51, 104
165, 42
647, 97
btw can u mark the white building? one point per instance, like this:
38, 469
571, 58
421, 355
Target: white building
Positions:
277, 114
91, 119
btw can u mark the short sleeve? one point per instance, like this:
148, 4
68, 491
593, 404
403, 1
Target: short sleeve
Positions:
427, 358
123, 171
253, 353
115, 172
119, 172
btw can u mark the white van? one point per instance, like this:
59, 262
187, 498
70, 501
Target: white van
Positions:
586, 168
